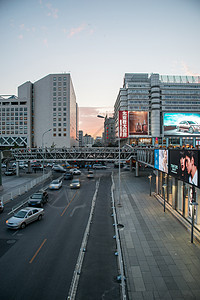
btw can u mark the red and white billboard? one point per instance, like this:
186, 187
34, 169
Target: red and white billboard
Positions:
123, 124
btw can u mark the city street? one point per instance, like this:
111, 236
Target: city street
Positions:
38, 261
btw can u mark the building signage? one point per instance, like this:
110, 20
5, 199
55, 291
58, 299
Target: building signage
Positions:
123, 124
161, 160
183, 164
138, 123
186, 124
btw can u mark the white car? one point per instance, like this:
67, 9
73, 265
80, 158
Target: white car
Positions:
25, 216
75, 171
55, 184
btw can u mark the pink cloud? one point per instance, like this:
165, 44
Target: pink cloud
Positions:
89, 122
188, 71
77, 30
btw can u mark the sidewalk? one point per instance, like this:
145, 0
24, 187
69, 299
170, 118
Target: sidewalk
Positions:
160, 261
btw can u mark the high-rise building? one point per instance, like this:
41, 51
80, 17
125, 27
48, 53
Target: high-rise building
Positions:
45, 114
109, 131
156, 105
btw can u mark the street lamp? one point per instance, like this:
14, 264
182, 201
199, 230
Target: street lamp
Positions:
150, 176
43, 146
164, 188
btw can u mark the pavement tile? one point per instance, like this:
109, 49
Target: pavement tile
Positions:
139, 284
163, 263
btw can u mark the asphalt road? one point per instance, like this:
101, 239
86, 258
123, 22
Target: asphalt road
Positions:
38, 262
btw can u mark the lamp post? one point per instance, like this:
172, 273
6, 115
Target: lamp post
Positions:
43, 146
164, 187
150, 176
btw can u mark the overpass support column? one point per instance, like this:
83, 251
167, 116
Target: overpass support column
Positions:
137, 169
29, 166
131, 164
17, 168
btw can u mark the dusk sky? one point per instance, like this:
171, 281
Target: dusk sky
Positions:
97, 42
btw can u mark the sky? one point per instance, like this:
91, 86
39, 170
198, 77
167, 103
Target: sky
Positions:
97, 42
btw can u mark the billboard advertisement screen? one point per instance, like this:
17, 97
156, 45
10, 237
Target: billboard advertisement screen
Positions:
138, 123
161, 160
183, 164
187, 124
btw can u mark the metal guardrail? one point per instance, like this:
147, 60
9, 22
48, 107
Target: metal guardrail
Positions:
120, 258
24, 188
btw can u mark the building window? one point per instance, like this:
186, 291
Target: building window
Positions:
54, 83
59, 134
64, 78
59, 78
64, 134
54, 134
54, 78
54, 93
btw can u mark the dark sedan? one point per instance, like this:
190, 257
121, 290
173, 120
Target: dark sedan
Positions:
38, 199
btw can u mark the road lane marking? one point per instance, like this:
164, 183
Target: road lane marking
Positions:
77, 207
36, 253
68, 204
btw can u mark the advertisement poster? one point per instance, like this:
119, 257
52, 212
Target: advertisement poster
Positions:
161, 160
123, 124
138, 123
186, 124
184, 165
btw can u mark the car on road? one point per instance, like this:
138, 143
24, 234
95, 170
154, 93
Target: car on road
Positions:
1, 206
58, 168
25, 216
68, 176
189, 126
99, 166
56, 184
90, 174
38, 199
75, 184
75, 171
10, 172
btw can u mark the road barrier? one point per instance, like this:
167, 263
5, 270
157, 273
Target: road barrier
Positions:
24, 188
121, 276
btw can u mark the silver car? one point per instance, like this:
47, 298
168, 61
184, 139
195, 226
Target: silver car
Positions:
25, 216
55, 184
75, 184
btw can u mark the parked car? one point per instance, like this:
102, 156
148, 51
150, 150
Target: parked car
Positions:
68, 176
189, 126
1, 206
75, 184
75, 171
56, 184
90, 174
38, 199
25, 216
10, 172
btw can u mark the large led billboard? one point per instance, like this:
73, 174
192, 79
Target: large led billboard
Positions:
161, 160
187, 124
183, 164
138, 123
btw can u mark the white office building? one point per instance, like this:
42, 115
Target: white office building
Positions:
50, 114
156, 105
